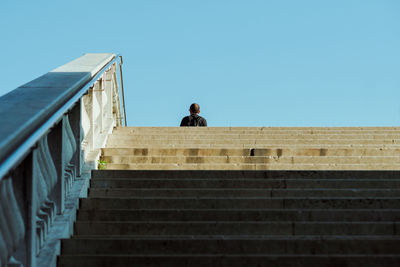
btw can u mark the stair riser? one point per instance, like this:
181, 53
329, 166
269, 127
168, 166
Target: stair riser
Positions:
259, 136
267, 142
250, 160
243, 203
233, 228
229, 246
249, 142
113, 166
209, 192
228, 261
229, 130
273, 151
249, 183
359, 175
239, 215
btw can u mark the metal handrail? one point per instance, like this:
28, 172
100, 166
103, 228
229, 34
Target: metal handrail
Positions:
122, 89
19, 154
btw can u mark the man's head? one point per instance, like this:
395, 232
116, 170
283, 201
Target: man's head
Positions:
194, 108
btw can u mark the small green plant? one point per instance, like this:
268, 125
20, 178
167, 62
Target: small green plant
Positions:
102, 164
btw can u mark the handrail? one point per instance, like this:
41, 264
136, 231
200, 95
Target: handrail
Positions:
122, 89
18, 155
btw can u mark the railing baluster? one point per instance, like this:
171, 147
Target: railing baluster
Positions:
35, 179
55, 139
76, 127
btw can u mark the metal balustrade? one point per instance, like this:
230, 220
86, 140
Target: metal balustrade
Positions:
52, 129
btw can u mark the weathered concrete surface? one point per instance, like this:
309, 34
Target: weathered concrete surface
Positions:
278, 152
203, 197
230, 166
253, 159
24, 109
253, 148
194, 260
237, 218
241, 215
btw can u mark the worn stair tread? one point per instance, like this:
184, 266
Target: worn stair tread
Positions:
250, 255
236, 228
231, 245
121, 142
239, 192
243, 174
224, 203
276, 135
237, 237
231, 166
251, 159
244, 183
282, 260
240, 214
263, 151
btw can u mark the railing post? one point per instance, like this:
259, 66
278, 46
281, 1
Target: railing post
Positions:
98, 92
75, 121
25, 193
56, 140
95, 111
108, 110
30, 234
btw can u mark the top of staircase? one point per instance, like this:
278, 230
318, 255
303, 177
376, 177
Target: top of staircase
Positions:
254, 148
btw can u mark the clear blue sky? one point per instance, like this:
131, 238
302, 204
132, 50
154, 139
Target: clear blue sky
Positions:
247, 63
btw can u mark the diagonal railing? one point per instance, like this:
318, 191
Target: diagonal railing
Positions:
52, 129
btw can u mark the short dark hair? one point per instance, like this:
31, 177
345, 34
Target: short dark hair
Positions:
194, 108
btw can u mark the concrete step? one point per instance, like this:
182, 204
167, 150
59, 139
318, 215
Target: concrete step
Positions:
246, 183
275, 146
239, 192
307, 212
232, 136
275, 152
240, 203
176, 152
255, 129
247, 142
195, 228
233, 245
234, 214
233, 166
253, 159
190, 174
223, 260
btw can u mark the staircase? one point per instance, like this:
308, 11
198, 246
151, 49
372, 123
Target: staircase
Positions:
253, 149
242, 197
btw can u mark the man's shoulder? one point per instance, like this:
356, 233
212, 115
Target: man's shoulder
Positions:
200, 121
203, 121
185, 121
186, 118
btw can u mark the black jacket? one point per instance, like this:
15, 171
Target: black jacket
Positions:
193, 120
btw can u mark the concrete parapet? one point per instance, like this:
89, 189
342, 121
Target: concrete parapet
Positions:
44, 149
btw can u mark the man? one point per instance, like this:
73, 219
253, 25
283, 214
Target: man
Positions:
194, 119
